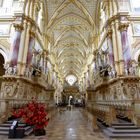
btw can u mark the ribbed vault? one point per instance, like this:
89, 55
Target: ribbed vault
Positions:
71, 27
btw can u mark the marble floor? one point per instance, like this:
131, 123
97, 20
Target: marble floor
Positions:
68, 125
72, 125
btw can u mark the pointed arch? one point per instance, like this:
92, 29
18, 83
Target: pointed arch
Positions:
65, 4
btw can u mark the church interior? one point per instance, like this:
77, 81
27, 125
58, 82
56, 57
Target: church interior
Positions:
79, 58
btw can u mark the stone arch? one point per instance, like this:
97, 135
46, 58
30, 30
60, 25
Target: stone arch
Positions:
2, 70
3, 58
3, 52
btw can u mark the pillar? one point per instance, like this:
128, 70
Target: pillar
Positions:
112, 115
30, 49
26, 46
111, 52
45, 60
94, 123
16, 44
119, 46
21, 47
115, 49
123, 27
136, 113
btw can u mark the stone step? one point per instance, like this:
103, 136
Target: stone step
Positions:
123, 130
101, 125
4, 128
122, 135
4, 132
27, 127
125, 127
9, 124
123, 124
122, 120
29, 131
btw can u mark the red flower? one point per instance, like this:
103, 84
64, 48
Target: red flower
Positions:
33, 114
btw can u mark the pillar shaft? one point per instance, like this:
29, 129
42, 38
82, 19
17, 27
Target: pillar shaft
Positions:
21, 48
16, 44
119, 46
26, 47
115, 49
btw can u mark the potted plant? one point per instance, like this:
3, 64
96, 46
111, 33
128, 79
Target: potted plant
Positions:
34, 114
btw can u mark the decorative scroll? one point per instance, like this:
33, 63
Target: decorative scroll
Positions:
15, 46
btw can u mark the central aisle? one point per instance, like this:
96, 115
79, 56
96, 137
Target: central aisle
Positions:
71, 125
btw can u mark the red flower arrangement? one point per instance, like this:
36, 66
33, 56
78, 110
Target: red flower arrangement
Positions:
33, 114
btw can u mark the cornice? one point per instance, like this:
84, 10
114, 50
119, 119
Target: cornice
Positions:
6, 19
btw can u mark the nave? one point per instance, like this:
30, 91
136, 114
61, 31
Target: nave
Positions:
67, 125
72, 125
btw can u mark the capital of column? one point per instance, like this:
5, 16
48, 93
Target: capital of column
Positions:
123, 26
112, 19
18, 27
29, 20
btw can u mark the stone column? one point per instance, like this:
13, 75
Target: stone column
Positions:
115, 49
26, 47
136, 113
95, 126
112, 115
30, 48
16, 44
119, 46
111, 52
45, 60
31, 9
125, 44
21, 48
94, 65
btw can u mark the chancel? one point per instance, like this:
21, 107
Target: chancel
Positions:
70, 69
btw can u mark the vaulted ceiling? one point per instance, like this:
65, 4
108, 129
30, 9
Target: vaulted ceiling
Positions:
71, 27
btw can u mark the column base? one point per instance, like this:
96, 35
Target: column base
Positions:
21, 68
121, 66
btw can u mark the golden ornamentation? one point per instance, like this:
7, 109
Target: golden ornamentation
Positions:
112, 19
18, 27
123, 27
28, 19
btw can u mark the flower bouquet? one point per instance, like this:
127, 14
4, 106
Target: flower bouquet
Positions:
33, 114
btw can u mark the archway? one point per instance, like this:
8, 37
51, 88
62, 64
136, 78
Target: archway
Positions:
2, 70
139, 64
